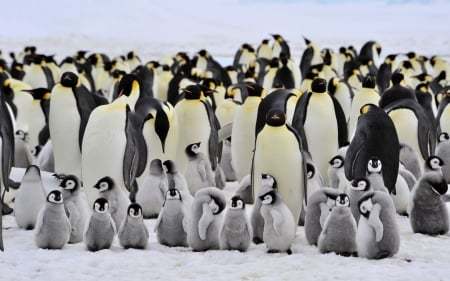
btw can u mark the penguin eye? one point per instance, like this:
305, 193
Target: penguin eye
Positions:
267, 197
70, 184
310, 174
239, 203
51, 197
104, 186
96, 206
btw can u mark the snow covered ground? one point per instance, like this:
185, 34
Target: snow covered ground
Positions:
155, 28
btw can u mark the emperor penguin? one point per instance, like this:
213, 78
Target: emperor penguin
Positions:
343, 93
374, 127
378, 235
320, 204
279, 46
374, 174
385, 72
443, 151
359, 187
428, 212
164, 77
70, 108
53, 228
75, 206
206, 219
311, 56
278, 152
29, 199
172, 224
279, 223
38, 122
257, 221
101, 230
37, 74
117, 198
132, 232
236, 232
177, 180
152, 191
336, 175
410, 159
339, 231
264, 50
199, 173
370, 50
433, 163
323, 122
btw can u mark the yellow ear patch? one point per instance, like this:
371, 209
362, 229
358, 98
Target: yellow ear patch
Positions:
364, 109
46, 96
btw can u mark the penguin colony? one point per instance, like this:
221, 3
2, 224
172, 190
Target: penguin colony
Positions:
335, 142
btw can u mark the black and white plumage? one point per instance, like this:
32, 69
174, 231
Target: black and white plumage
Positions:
101, 229
236, 232
199, 173
132, 232
443, 151
53, 228
359, 187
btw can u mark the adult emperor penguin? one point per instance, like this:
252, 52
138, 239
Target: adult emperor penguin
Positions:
30, 198
132, 232
280, 46
152, 191
443, 151
70, 107
339, 231
374, 127
385, 72
173, 221
197, 123
38, 133
101, 230
279, 223
397, 91
116, 196
323, 122
236, 232
378, 235
428, 212
311, 56
206, 219
37, 75
198, 171
52, 229
358, 188
319, 207
278, 136
75, 206
343, 93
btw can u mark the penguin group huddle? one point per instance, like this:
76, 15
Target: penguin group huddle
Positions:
337, 144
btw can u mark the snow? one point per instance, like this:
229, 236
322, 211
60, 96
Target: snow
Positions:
156, 28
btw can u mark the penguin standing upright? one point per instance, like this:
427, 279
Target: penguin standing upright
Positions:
101, 229
132, 232
359, 187
176, 180
278, 152
311, 56
199, 173
385, 72
29, 198
52, 229
38, 133
236, 232
378, 235
324, 124
339, 231
280, 46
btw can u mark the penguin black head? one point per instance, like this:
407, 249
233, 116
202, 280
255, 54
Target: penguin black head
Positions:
361, 184
101, 205
397, 77
265, 41
343, 200
55, 197
131, 55
319, 85
275, 117
36, 150
156, 167
254, 89
434, 162
411, 55
104, 184
39, 93
134, 210
69, 79
126, 84
443, 137
369, 81
407, 64
337, 162
277, 37
310, 170
374, 165
70, 182
422, 88
269, 181
69, 60
192, 150
237, 203
192, 92
171, 167
365, 204
269, 198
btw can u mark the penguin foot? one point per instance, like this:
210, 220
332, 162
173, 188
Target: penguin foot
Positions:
257, 240
289, 252
272, 251
6, 209
347, 254
382, 255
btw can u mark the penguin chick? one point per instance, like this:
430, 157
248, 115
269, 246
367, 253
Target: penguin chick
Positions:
132, 232
101, 229
52, 225
172, 224
177, 180
198, 173
75, 207
319, 207
378, 235
203, 232
339, 232
374, 174
117, 199
152, 191
433, 163
359, 187
428, 212
279, 223
257, 221
236, 232
30, 198
443, 151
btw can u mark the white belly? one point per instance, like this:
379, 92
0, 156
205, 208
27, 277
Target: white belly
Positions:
406, 125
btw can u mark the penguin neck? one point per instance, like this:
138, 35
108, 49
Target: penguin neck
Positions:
252, 102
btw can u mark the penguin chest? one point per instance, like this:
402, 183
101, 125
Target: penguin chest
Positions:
406, 125
365, 238
36, 123
444, 122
